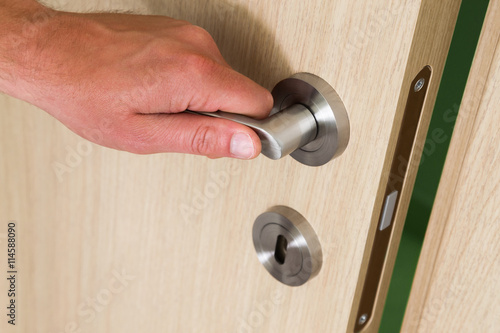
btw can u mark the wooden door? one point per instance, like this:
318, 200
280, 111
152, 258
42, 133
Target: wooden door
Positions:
163, 243
457, 283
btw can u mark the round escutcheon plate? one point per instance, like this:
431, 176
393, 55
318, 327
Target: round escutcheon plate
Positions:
325, 104
287, 245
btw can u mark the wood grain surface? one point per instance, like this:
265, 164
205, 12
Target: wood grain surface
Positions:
457, 283
162, 243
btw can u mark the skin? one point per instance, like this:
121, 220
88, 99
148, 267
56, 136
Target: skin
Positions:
123, 81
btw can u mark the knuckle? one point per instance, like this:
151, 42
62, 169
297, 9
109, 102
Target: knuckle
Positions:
200, 64
204, 141
198, 33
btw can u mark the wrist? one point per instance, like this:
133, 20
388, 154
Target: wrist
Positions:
23, 29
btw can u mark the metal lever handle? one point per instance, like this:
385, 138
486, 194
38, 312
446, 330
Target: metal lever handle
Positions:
308, 121
281, 133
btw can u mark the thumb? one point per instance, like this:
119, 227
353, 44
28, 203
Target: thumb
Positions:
191, 134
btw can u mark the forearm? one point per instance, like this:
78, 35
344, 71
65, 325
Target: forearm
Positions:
17, 5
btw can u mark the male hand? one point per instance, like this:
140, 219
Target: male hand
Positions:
122, 81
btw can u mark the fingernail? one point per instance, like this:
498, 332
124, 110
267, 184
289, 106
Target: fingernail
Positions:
242, 146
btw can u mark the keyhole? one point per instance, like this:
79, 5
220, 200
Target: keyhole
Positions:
280, 250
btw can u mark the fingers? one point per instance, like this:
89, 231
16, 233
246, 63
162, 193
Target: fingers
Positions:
227, 90
188, 133
218, 86
206, 85
197, 82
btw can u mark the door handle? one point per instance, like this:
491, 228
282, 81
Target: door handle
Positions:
281, 133
308, 121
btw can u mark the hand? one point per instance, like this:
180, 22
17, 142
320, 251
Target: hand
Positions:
122, 81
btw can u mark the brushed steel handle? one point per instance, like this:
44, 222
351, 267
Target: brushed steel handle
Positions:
308, 121
281, 133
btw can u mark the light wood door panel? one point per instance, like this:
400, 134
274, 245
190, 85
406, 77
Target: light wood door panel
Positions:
457, 282
127, 243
